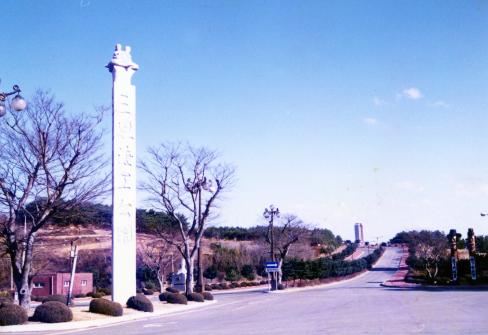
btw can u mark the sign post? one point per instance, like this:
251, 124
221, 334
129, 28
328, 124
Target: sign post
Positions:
272, 267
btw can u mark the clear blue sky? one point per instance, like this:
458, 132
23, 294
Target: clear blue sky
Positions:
338, 111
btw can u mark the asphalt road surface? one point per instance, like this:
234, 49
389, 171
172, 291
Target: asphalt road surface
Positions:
358, 306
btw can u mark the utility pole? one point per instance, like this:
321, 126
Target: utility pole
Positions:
73, 259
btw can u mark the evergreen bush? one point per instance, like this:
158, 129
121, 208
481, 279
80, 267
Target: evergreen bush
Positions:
197, 297
106, 307
11, 314
55, 297
207, 295
164, 296
140, 303
176, 298
172, 290
147, 291
52, 312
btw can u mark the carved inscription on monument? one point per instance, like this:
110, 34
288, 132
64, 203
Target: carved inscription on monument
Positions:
124, 176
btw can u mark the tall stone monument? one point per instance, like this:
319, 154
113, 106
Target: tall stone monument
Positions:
123, 175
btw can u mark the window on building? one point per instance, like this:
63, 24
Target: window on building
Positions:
66, 283
84, 283
38, 285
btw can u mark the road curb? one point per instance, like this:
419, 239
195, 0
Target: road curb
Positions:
325, 285
414, 286
100, 323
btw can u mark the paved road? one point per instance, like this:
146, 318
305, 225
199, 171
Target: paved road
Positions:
359, 306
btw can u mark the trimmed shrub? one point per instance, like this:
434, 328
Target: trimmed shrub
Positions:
281, 287
262, 282
106, 307
95, 295
172, 290
247, 271
255, 283
208, 287
4, 300
224, 286
55, 297
149, 285
164, 296
37, 298
147, 291
176, 298
104, 290
140, 303
197, 297
11, 314
216, 287
207, 295
81, 295
52, 312
234, 284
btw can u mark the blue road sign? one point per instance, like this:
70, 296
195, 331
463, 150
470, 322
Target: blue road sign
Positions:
271, 265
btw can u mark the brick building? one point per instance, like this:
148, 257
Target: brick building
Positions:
58, 283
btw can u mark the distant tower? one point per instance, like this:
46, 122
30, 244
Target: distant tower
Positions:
358, 233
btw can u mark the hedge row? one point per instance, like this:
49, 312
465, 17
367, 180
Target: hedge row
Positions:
348, 251
227, 286
325, 267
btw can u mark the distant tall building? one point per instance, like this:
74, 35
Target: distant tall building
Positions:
358, 233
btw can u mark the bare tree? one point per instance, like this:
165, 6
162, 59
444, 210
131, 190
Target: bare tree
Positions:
288, 231
187, 183
430, 247
49, 161
157, 257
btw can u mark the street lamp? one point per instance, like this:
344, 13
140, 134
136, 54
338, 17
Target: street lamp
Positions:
270, 214
18, 103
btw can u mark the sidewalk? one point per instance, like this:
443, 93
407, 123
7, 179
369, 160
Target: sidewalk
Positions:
99, 320
398, 278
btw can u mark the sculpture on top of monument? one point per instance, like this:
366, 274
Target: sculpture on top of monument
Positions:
122, 58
